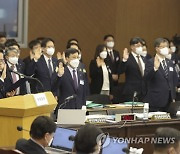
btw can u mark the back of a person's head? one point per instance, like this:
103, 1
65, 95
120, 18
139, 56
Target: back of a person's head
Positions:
166, 138
42, 125
85, 141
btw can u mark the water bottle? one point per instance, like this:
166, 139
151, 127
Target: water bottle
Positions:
146, 111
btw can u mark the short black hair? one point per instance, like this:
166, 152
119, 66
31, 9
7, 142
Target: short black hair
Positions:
45, 41
99, 49
72, 39
70, 44
108, 35
136, 40
42, 125
158, 41
11, 42
86, 138
70, 51
2, 34
33, 43
40, 38
167, 133
10, 49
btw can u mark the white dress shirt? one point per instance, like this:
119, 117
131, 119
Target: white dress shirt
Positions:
47, 62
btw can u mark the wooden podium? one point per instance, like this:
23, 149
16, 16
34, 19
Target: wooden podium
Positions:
21, 111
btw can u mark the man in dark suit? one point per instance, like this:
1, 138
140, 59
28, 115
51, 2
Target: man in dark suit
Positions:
2, 74
133, 66
14, 64
72, 81
41, 132
113, 57
161, 77
43, 66
34, 46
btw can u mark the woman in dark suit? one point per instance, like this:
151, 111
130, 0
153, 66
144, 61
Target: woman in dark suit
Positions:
100, 73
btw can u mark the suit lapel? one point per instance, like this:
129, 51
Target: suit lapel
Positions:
70, 78
135, 63
44, 64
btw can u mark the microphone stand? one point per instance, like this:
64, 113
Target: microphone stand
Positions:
30, 78
132, 108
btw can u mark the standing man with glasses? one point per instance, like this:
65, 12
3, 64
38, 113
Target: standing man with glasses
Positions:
161, 77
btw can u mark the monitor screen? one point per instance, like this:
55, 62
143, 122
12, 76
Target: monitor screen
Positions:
113, 146
61, 139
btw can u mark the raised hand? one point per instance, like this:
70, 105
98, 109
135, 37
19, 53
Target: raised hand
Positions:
156, 62
125, 54
60, 69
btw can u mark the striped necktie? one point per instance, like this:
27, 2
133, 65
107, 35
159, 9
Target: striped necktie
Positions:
165, 69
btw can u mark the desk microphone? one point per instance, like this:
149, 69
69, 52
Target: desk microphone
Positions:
28, 77
71, 138
67, 99
20, 128
134, 96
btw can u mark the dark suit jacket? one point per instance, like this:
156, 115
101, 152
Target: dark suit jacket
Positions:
2, 90
113, 64
66, 88
96, 75
159, 88
41, 71
9, 81
133, 78
29, 147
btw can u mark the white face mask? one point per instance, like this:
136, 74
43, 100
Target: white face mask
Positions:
103, 54
173, 49
13, 60
110, 44
144, 53
164, 51
139, 50
50, 51
74, 63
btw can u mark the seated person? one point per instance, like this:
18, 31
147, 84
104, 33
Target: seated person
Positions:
171, 144
85, 141
41, 132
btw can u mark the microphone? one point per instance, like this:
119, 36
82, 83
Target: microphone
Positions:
134, 96
20, 128
67, 99
28, 77
71, 138
71, 97
126, 150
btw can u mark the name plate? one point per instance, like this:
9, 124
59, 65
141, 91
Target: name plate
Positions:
161, 117
40, 99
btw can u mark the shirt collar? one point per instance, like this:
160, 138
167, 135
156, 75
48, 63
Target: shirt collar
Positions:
37, 143
135, 55
109, 50
46, 58
71, 69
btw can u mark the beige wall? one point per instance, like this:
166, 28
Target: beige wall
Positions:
90, 20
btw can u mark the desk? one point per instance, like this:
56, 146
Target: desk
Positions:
116, 109
139, 129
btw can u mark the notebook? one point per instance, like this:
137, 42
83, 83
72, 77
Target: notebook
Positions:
113, 146
71, 117
62, 139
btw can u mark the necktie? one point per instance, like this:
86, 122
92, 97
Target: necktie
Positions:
111, 55
165, 69
140, 66
75, 79
50, 67
13, 74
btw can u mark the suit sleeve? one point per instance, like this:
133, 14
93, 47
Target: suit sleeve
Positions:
31, 68
149, 70
94, 69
